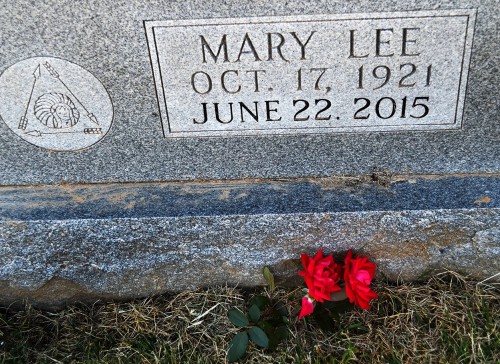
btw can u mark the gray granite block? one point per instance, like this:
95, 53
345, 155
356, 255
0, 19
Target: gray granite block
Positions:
99, 198
53, 262
107, 39
61, 244
105, 201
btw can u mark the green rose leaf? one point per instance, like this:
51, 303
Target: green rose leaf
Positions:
268, 276
281, 309
267, 327
254, 313
237, 318
278, 335
259, 337
237, 347
260, 301
282, 332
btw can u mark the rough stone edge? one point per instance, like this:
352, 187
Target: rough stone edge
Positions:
314, 195
52, 263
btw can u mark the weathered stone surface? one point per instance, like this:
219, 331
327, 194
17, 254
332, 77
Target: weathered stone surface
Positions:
190, 234
122, 211
58, 261
370, 193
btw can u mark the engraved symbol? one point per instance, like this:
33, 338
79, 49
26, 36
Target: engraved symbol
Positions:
38, 133
56, 111
54, 74
66, 107
24, 121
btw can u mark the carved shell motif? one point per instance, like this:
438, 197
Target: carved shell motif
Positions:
56, 110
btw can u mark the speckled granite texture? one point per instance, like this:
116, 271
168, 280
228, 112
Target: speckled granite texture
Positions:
65, 243
107, 38
139, 214
59, 261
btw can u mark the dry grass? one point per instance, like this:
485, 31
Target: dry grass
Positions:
448, 320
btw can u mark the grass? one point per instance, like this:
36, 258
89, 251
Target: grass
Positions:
449, 319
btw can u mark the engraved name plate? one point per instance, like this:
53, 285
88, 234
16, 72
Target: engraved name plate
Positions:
311, 74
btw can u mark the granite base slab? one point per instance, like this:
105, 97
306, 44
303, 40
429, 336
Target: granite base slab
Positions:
71, 243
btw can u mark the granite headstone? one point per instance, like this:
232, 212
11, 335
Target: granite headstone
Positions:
164, 145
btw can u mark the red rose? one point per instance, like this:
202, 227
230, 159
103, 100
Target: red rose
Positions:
358, 274
321, 274
307, 306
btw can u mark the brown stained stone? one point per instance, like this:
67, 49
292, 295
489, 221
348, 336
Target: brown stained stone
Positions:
52, 263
